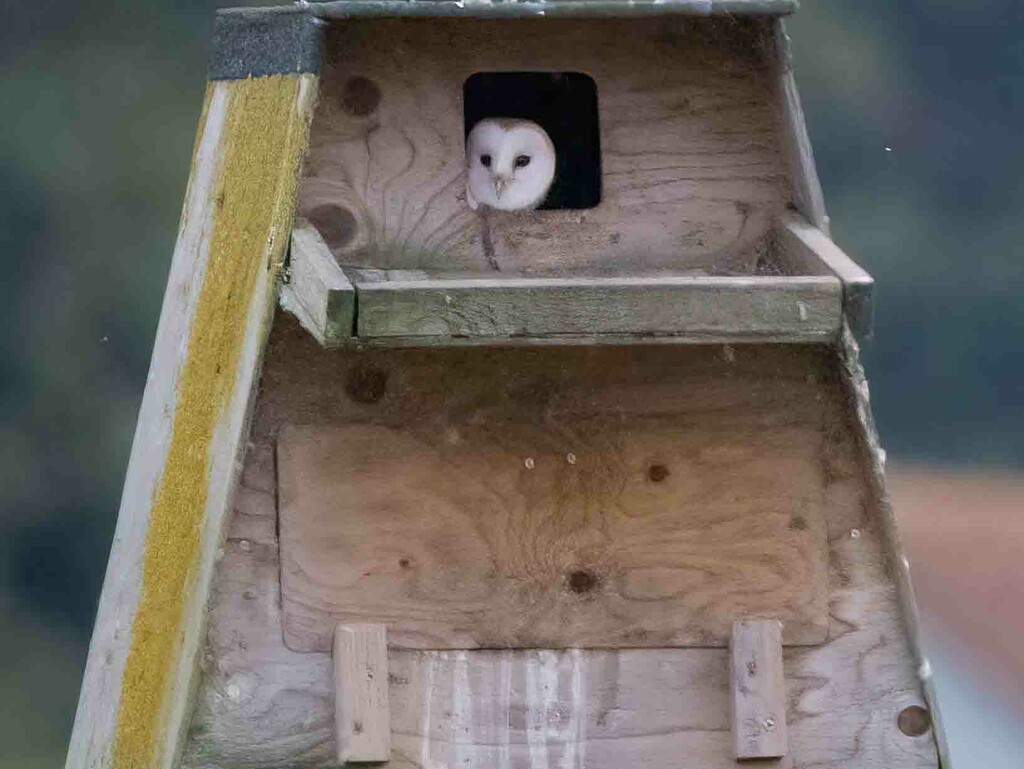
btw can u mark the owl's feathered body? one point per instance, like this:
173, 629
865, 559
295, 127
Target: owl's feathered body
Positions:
511, 164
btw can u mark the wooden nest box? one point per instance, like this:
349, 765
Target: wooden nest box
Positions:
506, 411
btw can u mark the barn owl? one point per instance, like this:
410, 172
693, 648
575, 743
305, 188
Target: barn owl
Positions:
511, 164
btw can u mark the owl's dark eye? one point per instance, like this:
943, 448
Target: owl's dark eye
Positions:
486, 160
522, 161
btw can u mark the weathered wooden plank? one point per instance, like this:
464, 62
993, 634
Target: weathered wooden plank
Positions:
583, 533
262, 706
758, 690
348, 9
855, 384
362, 713
140, 676
317, 291
777, 308
692, 166
803, 172
806, 250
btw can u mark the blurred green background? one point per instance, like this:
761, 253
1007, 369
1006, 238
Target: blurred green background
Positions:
915, 108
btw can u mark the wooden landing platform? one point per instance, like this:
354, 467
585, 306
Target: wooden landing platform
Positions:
811, 286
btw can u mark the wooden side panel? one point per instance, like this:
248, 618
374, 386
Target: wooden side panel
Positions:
693, 172
581, 532
808, 197
263, 706
140, 676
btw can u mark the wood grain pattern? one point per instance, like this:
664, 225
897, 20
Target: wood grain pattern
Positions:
791, 309
362, 713
758, 687
262, 706
693, 168
584, 533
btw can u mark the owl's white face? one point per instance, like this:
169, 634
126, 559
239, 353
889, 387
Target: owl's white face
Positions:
511, 164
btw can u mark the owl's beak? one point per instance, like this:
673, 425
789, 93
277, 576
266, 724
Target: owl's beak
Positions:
500, 182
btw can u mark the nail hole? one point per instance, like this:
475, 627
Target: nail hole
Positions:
914, 721
366, 384
657, 473
582, 581
405, 563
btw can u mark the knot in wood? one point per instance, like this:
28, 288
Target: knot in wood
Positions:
366, 384
582, 581
914, 721
658, 472
360, 96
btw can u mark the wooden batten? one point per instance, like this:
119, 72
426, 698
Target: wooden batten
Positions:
798, 309
758, 689
362, 714
141, 671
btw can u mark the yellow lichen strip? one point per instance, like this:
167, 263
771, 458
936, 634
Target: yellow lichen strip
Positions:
261, 145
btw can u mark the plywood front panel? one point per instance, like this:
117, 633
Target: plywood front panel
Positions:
262, 705
585, 532
693, 174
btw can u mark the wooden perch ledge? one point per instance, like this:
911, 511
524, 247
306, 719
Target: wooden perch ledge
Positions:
417, 308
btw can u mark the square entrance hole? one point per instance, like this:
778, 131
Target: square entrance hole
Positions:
564, 104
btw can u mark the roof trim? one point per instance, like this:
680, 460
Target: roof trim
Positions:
259, 42
346, 9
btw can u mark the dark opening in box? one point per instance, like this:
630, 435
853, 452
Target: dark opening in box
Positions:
564, 104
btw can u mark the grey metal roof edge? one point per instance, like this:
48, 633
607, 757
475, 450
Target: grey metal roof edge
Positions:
345, 9
512, 9
258, 42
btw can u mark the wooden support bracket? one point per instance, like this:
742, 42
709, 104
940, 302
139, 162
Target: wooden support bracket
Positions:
317, 291
362, 714
807, 250
758, 690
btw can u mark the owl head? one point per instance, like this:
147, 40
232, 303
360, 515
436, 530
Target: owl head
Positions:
511, 164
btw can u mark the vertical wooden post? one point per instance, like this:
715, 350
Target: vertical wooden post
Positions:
758, 690
140, 676
362, 714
